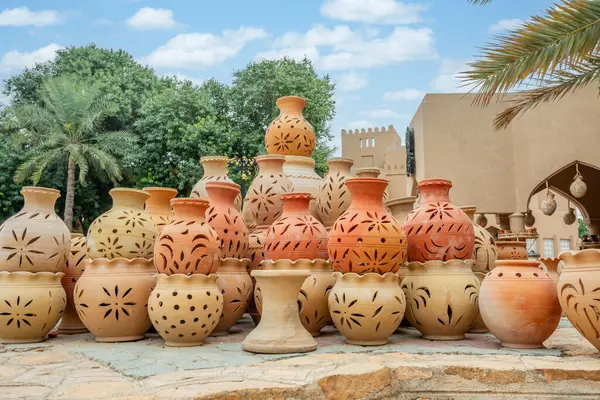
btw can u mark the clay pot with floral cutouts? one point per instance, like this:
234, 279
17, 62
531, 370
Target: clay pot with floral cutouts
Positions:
290, 134
301, 172
256, 255
30, 305
35, 239
185, 309
215, 170
519, 304
188, 245
226, 221
158, 205
296, 234
111, 298
437, 229
333, 197
125, 230
70, 322
373, 172
237, 288
366, 238
511, 250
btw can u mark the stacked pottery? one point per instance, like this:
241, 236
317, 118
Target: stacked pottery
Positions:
440, 286
334, 197
186, 304
70, 322
373, 172
158, 206
215, 170
367, 246
34, 245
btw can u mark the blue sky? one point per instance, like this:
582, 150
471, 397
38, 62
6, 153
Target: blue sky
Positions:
384, 54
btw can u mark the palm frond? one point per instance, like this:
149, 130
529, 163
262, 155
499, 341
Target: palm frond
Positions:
104, 162
35, 166
116, 142
32, 123
96, 110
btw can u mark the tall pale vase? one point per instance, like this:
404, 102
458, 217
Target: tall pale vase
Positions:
158, 205
215, 170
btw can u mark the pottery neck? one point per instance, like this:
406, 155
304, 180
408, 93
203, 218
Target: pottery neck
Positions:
339, 164
189, 209
233, 266
130, 199
296, 203
291, 105
270, 163
159, 201
470, 211
214, 166
222, 193
434, 190
367, 193
368, 172
39, 199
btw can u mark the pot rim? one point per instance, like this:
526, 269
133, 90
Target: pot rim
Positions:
187, 280
270, 157
511, 243
549, 259
435, 182
340, 160
366, 278
241, 263
214, 158
317, 264
41, 277
190, 201
450, 263
517, 263
223, 185
117, 262
40, 189
586, 256
160, 189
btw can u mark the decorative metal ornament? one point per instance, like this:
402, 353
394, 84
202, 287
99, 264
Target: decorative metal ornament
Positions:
549, 204
578, 187
529, 219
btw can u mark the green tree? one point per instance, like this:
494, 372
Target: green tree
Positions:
63, 130
556, 53
582, 228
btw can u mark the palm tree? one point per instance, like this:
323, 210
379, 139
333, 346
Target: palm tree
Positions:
549, 56
65, 128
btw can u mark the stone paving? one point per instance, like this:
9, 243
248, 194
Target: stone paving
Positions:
76, 367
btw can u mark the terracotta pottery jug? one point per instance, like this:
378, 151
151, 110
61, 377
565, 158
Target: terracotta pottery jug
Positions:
519, 304
125, 230
158, 205
263, 198
367, 308
400, 208
333, 197
296, 234
437, 229
70, 322
366, 238
373, 172
226, 221
215, 170
485, 252
111, 298
550, 266
511, 250
30, 305
301, 172
185, 309
188, 245
578, 292
290, 134
35, 239
236, 288
442, 298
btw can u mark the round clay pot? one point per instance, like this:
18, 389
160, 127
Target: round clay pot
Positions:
442, 298
511, 250
188, 245
158, 205
551, 267
479, 325
578, 187
124, 231
30, 305
263, 198
185, 309
256, 256
70, 322
578, 292
485, 252
301, 172
296, 234
215, 170
111, 298
333, 197
367, 308
366, 238
226, 221
236, 287
437, 229
35, 239
548, 205
373, 172
519, 304
290, 134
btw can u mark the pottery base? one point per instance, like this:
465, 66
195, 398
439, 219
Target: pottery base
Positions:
184, 344
479, 330
73, 331
315, 334
442, 337
522, 345
119, 339
367, 342
219, 333
21, 341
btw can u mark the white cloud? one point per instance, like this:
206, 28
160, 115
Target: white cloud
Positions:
384, 113
404, 95
373, 11
505, 25
295, 53
196, 50
152, 18
352, 81
22, 16
13, 60
447, 80
363, 123
183, 77
318, 35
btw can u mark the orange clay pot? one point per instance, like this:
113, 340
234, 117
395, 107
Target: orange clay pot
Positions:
519, 304
437, 229
70, 322
188, 245
366, 238
290, 134
158, 205
226, 220
512, 250
296, 234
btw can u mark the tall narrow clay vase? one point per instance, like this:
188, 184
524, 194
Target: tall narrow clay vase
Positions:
215, 170
263, 198
579, 293
296, 234
511, 250
366, 238
290, 134
125, 230
30, 305
301, 172
158, 205
333, 197
188, 245
519, 304
437, 229
35, 239
70, 322
226, 221
236, 287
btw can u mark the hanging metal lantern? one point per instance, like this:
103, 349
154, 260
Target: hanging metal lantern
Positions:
569, 218
578, 187
549, 204
529, 219
481, 220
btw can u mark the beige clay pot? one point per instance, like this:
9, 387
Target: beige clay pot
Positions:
236, 287
70, 322
479, 326
333, 197
215, 170
111, 298
30, 305
158, 206
512, 250
185, 309
301, 172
